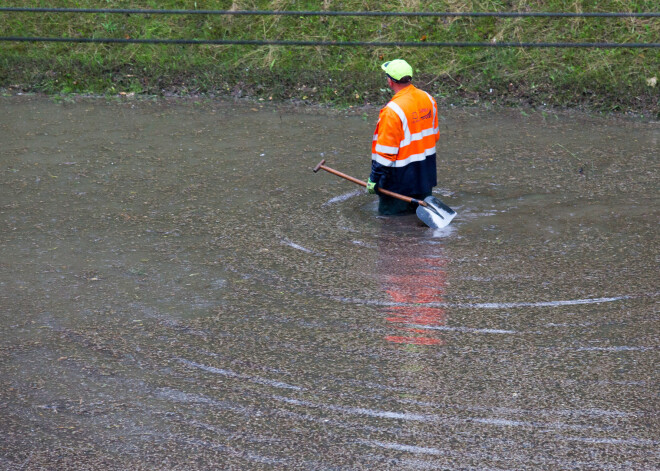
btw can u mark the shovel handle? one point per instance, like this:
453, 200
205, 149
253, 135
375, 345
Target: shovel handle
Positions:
407, 199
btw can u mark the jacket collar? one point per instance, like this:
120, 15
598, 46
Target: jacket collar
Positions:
405, 91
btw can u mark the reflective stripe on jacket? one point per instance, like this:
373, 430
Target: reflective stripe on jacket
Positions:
403, 146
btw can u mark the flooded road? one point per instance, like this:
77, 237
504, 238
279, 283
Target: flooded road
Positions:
179, 291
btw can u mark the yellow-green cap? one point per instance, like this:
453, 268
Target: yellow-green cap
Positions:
397, 69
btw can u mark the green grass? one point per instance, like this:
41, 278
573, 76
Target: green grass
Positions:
610, 79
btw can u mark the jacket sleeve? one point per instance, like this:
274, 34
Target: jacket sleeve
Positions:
378, 174
385, 148
389, 135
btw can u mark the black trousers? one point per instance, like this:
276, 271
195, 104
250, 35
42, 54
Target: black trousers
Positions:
388, 206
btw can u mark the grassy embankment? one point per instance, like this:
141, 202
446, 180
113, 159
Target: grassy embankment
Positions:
604, 79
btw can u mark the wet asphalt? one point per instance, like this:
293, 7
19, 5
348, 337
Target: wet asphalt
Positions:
179, 291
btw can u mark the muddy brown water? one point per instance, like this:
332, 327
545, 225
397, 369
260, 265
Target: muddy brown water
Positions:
178, 290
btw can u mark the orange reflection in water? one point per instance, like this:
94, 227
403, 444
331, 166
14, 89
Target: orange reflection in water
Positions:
413, 281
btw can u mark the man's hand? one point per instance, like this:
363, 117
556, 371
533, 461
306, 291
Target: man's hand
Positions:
371, 187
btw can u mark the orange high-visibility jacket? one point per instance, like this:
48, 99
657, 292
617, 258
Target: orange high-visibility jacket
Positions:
403, 155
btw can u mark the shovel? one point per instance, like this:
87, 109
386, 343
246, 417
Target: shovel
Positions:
431, 211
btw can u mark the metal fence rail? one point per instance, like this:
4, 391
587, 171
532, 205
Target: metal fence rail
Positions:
268, 42
339, 13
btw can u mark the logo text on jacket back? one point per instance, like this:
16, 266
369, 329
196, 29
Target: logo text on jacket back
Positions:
424, 113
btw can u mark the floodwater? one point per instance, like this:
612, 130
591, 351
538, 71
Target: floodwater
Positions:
179, 291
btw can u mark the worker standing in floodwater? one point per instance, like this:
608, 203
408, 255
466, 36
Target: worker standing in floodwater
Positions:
403, 154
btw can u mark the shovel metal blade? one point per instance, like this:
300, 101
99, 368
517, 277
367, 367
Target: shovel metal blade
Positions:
435, 214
